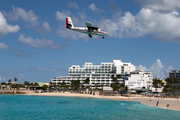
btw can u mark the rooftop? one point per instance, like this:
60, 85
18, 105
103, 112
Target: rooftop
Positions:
174, 71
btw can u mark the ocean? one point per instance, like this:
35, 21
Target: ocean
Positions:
26, 107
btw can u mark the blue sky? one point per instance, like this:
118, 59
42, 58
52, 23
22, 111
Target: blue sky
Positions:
35, 46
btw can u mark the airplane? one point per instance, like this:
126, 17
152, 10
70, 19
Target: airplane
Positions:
90, 30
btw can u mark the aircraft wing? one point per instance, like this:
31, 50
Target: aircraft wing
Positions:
90, 26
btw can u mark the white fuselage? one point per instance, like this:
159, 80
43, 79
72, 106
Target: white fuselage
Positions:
85, 30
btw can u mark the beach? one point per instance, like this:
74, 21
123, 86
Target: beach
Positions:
151, 101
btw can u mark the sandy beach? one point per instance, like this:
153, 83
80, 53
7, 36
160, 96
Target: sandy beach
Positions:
173, 103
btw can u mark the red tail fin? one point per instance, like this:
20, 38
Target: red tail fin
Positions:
66, 22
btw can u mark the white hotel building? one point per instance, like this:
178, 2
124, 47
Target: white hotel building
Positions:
98, 74
139, 79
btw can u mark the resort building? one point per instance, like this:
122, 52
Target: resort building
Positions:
98, 74
174, 74
139, 79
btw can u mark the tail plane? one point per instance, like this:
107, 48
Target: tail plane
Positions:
69, 23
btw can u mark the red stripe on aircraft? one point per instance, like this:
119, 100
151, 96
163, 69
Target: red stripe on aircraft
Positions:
66, 22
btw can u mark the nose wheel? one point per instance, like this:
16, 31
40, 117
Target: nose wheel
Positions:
90, 35
103, 37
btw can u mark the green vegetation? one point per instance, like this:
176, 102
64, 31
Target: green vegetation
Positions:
167, 89
116, 85
63, 85
171, 85
126, 88
9, 81
36, 84
171, 81
75, 84
26, 83
96, 86
157, 83
45, 87
15, 79
3, 83
16, 85
86, 81
82, 86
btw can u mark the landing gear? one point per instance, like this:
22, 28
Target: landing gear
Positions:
103, 37
90, 35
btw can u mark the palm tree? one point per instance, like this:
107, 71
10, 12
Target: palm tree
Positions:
115, 82
50, 85
36, 84
126, 88
96, 86
26, 83
15, 79
87, 81
169, 81
63, 84
9, 80
175, 81
157, 83
32, 84
75, 84
102, 86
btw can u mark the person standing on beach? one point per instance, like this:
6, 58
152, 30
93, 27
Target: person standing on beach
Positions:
167, 105
157, 103
178, 98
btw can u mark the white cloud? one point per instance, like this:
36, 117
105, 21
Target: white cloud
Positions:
19, 13
44, 43
3, 46
160, 5
94, 8
61, 16
46, 27
140, 67
73, 5
5, 28
162, 26
32, 19
158, 70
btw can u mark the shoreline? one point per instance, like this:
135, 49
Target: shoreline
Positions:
174, 104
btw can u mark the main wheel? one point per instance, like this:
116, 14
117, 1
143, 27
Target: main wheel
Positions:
103, 37
90, 35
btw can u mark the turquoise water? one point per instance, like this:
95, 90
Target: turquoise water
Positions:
24, 107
